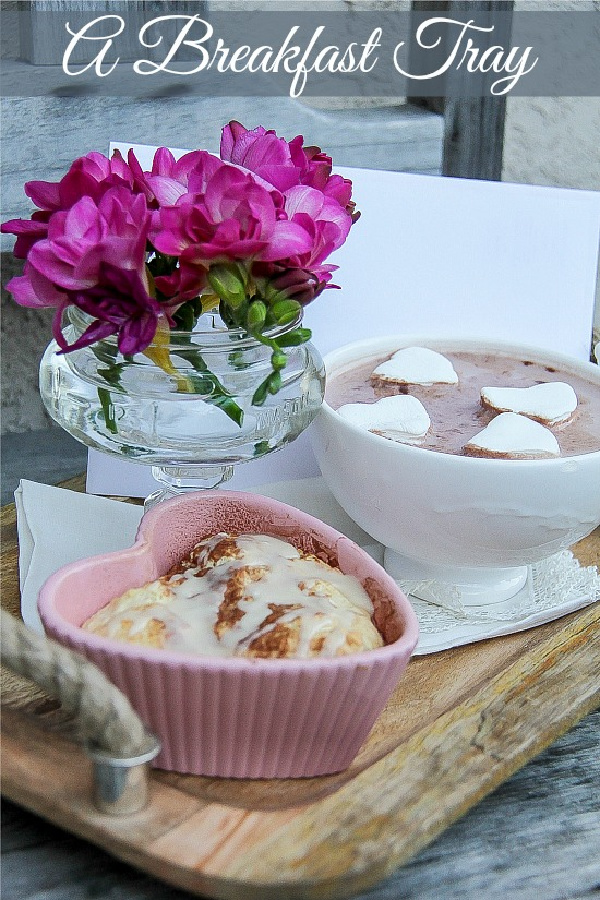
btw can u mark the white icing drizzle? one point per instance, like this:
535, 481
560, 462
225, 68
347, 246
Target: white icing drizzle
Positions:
400, 418
332, 604
417, 365
514, 435
550, 402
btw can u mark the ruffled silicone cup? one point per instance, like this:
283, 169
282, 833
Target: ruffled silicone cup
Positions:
230, 717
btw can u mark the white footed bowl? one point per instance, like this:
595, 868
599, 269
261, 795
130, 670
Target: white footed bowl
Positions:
471, 522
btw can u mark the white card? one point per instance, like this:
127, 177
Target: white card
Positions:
452, 256
118, 477
441, 257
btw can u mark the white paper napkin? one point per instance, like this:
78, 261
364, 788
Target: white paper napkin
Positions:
58, 526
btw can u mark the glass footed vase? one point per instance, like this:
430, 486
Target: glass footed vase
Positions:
193, 423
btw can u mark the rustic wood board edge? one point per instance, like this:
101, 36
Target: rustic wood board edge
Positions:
353, 838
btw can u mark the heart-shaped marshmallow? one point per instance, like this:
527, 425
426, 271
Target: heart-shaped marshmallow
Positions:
511, 436
400, 418
549, 403
417, 365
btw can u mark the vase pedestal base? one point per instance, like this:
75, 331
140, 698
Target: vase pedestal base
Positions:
174, 480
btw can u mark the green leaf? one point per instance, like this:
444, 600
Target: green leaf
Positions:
237, 360
206, 384
161, 264
103, 350
201, 384
230, 408
186, 315
260, 448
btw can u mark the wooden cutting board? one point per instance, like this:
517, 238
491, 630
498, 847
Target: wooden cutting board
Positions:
459, 723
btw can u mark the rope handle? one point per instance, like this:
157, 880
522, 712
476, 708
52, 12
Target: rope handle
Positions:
104, 715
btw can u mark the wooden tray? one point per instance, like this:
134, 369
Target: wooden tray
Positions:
459, 723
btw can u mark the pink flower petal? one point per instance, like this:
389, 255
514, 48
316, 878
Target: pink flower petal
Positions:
44, 194
288, 239
163, 162
166, 190
96, 331
22, 290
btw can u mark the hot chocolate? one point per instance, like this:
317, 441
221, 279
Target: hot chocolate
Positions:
456, 410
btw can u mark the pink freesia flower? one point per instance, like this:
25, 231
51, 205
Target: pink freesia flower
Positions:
264, 153
283, 164
169, 178
129, 247
120, 305
302, 285
89, 176
225, 215
186, 282
305, 275
35, 290
326, 225
94, 257
28, 232
79, 239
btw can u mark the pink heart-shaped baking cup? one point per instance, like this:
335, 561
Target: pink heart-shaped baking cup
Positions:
232, 717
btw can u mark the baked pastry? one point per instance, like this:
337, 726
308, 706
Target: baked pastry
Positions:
253, 596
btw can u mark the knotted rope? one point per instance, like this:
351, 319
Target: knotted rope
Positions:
104, 715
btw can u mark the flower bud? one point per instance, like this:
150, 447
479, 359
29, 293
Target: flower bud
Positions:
286, 311
294, 338
260, 394
227, 283
257, 313
278, 360
274, 382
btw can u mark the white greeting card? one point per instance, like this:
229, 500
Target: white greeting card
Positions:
435, 256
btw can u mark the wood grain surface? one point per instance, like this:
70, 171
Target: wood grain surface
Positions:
459, 723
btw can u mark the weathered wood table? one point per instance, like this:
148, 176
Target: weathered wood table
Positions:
536, 836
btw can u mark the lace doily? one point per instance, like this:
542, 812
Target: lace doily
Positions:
555, 586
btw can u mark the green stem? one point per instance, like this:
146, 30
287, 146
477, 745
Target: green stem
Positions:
112, 375
108, 410
208, 384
